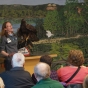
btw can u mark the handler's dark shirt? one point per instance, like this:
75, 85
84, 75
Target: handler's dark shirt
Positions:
9, 44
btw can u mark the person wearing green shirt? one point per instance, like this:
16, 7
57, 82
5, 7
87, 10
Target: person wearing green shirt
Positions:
42, 73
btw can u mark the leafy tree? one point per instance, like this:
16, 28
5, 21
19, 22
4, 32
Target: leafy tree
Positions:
85, 15
40, 29
62, 49
61, 21
73, 20
86, 1
51, 20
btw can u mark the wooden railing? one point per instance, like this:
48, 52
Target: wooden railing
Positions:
37, 57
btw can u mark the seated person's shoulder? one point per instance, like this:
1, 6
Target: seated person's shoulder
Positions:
64, 68
27, 72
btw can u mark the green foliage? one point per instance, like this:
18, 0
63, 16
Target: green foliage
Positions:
40, 49
21, 11
62, 49
73, 20
85, 15
51, 20
81, 42
41, 33
86, 1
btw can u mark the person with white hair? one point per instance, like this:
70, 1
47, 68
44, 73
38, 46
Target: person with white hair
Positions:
48, 60
17, 77
42, 74
1, 83
18, 60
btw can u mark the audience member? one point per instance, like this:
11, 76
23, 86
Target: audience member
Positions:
17, 77
42, 73
1, 83
46, 59
85, 82
75, 59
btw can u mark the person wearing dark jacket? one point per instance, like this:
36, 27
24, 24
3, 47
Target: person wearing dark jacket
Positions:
17, 77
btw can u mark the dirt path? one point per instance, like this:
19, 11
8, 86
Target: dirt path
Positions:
55, 40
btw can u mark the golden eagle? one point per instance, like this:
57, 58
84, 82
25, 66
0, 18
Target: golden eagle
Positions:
26, 35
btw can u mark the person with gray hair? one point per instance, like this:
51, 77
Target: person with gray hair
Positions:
48, 60
18, 60
1, 83
17, 77
42, 74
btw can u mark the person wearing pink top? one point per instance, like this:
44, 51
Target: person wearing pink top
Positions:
75, 60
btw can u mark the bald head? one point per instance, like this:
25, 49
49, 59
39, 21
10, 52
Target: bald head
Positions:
18, 60
42, 71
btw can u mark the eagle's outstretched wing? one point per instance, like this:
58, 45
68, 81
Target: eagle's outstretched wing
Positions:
26, 32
